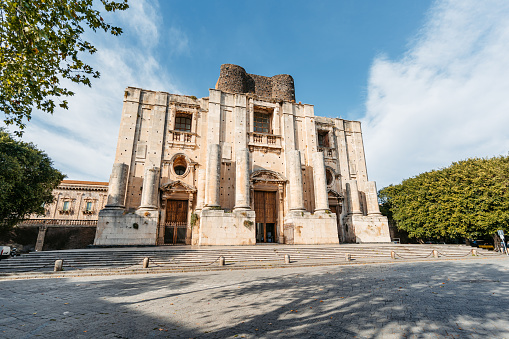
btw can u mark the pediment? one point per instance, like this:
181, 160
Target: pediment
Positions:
177, 186
267, 176
334, 194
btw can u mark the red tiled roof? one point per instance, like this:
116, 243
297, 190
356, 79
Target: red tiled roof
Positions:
80, 182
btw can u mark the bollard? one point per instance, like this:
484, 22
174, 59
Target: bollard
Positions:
145, 262
287, 258
348, 257
474, 252
58, 265
393, 255
435, 254
221, 261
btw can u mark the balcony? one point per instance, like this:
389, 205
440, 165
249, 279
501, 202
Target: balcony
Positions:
58, 222
181, 139
328, 153
264, 142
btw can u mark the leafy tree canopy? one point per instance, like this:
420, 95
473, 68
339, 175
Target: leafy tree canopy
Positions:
27, 180
469, 199
41, 44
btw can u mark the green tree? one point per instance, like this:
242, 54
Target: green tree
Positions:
27, 180
469, 199
41, 44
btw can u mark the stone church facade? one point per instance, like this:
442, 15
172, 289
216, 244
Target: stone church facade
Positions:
245, 165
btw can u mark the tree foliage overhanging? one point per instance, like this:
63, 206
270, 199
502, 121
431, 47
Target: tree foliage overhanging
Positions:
27, 179
469, 199
40, 44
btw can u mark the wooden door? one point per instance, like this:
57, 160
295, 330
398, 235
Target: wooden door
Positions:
176, 221
266, 216
176, 211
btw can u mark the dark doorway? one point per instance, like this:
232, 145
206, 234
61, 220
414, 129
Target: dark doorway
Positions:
266, 216
176, 222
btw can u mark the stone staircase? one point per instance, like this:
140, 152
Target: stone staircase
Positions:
187, 257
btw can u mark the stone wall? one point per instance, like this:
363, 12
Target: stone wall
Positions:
64, 238
235, 79
303, 228
220, 228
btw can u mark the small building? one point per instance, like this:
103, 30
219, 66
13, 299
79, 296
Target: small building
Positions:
245, 165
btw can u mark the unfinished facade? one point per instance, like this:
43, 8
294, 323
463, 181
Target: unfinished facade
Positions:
245, 165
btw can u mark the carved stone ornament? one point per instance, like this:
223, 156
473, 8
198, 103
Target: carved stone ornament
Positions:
268, 176
177, 186
335, 194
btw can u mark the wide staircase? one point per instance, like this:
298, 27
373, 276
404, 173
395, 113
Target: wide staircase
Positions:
199, 258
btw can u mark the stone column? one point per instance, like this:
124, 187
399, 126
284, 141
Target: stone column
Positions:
242, 179
213, 175
281, 207
200, 195
353, 195
117, 186
372, 198
296, 189
150, 188
189, 234
320, 183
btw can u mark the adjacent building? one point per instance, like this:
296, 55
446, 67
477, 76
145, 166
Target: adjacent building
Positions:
71, 220
245, 165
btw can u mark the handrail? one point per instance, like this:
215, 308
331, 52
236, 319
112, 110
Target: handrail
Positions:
74, 222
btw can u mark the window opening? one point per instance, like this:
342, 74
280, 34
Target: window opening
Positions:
323, 139
89, 206
180, 165
262, 123
66, 205
183, 122
329, 177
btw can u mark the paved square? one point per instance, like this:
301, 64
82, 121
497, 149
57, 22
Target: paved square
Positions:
456, 299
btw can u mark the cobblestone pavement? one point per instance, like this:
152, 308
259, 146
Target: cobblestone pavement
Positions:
460, 299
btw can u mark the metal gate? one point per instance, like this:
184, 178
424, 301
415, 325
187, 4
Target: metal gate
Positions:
175, 232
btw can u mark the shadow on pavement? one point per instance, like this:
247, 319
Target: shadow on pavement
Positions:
420, 300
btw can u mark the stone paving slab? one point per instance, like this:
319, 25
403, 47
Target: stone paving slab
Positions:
430, 299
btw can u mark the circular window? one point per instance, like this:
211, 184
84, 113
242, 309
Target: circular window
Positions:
179, 170
329, 177
180, 165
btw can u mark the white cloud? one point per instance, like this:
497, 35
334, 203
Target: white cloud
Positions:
178, 41
82, 141
144, 19
446, 99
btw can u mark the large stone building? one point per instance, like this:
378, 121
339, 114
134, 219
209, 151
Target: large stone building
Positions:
245, 165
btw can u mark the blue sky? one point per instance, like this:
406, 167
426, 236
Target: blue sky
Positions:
428, 79
327, 46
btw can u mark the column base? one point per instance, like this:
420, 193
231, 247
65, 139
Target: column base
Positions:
242, 208
150, 208
212, 207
